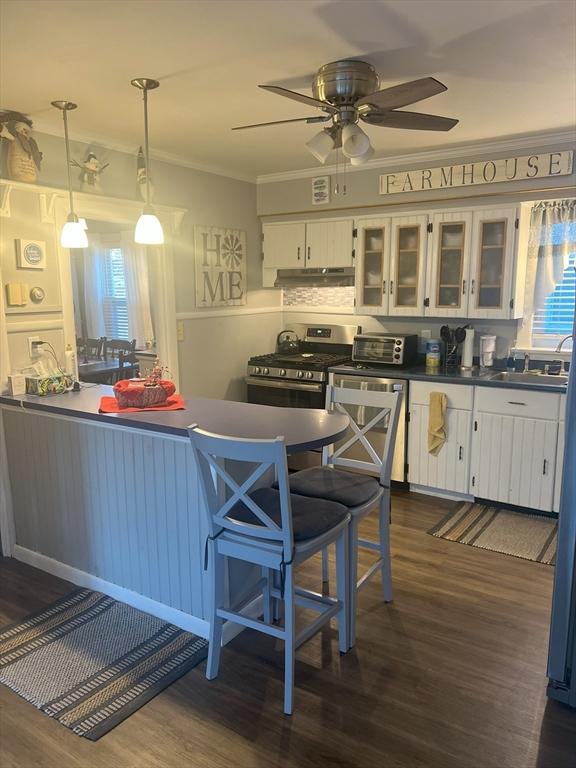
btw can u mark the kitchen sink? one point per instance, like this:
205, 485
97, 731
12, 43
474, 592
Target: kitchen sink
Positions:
530, 378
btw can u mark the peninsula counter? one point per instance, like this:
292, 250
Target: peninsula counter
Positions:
112, 501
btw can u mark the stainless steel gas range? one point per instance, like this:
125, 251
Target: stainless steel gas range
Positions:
298, 378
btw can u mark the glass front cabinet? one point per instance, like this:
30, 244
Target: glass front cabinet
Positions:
492, 264
447, 283
407, 279
373, 256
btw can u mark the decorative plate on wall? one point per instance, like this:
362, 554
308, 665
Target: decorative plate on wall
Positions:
31, 254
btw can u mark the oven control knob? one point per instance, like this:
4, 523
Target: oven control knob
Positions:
300, 374
309, 375
398, 341
265, 371
257, 370
282, 371
396, 357
397, 349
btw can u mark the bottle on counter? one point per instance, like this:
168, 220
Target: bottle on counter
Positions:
433, 348
70, 361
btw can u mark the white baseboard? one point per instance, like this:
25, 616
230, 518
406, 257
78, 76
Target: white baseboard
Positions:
439, 493
180, 619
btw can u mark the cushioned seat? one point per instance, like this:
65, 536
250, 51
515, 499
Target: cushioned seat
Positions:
310, 517
347, 488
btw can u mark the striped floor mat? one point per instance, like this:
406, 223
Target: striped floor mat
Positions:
89, 661
531, 537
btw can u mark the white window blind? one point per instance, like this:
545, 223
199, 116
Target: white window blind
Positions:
555, 319
114, 301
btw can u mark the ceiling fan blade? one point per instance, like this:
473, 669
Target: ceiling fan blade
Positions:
412, 121
281, 122
403, 94
300, 97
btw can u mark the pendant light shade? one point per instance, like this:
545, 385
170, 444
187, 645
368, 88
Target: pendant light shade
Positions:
354, 141
148, 227
73, 233
361, 159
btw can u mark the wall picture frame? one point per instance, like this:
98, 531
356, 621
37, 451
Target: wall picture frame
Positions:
320, 190
30, 254
221, 270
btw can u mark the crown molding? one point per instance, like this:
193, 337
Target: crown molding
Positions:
512, 144
128, 149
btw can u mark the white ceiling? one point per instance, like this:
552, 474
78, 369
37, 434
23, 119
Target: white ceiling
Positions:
509, 66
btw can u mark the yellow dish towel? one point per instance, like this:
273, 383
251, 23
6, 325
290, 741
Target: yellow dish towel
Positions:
437, 422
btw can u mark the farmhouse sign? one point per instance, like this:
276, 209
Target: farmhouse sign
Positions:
485, 172
220, 256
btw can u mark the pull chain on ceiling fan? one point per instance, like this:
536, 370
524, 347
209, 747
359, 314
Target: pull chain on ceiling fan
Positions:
347, 92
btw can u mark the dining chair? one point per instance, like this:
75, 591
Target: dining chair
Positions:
273, 530
124, 351
90, 349
359, 493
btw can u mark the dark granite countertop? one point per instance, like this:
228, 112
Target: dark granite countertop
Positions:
302, 428
476, 376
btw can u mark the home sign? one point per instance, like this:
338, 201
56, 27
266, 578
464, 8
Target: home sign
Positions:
220, 256
544, 164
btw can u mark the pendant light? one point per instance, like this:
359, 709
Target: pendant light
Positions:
148, 228
73, 233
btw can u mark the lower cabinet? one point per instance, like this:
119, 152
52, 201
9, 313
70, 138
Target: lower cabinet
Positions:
449, 470
514, 460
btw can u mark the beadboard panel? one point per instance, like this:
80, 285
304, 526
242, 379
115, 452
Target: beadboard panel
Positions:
119, 504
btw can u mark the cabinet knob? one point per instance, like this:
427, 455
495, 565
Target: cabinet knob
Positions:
463, 286
298, 253
473, 286
391, 286
308, 253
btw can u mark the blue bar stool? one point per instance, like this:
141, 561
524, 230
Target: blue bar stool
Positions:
360, 493
275, 530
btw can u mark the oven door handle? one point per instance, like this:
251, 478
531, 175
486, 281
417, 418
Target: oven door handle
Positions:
285, 384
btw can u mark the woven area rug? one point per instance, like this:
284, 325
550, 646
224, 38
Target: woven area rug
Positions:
89, 661
530, 537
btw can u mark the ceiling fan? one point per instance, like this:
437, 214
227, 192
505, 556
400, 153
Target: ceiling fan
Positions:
347, 91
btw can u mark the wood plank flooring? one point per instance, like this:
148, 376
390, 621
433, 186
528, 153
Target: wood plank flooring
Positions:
450, 675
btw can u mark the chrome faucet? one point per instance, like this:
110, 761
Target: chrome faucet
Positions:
562, 371
526, 363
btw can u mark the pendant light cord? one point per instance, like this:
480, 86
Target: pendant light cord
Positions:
146, 149
67, 142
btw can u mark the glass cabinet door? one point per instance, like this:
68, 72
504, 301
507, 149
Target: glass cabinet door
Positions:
371, 276
449, 265
492, 266
407, 273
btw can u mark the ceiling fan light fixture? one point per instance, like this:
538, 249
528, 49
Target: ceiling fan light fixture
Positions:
355, 142
361, 159
321, 144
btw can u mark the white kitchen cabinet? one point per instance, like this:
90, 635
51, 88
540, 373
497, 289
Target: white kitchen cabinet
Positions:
513, 460
299, 244
449, 470
329, 243
284, 245
372, 265
447, 282
407, 277
492, 267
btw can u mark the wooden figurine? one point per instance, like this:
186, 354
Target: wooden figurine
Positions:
22, 155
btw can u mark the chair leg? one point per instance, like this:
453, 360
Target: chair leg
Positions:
343, 591
289, 640
215, 635
325, 571
276, 603
266, 596
384, 512
353, 577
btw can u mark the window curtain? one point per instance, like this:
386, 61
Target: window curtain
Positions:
94, 287
137, 290
551, 239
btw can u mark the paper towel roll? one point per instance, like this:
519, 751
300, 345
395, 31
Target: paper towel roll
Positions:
468, 349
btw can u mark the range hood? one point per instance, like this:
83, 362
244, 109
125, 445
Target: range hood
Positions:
314, 278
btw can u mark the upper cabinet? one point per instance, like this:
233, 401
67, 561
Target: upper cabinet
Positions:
492, 265
308, 245
372, 265
407, 279
447, 283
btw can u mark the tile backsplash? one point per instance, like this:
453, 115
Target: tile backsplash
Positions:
329, 296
